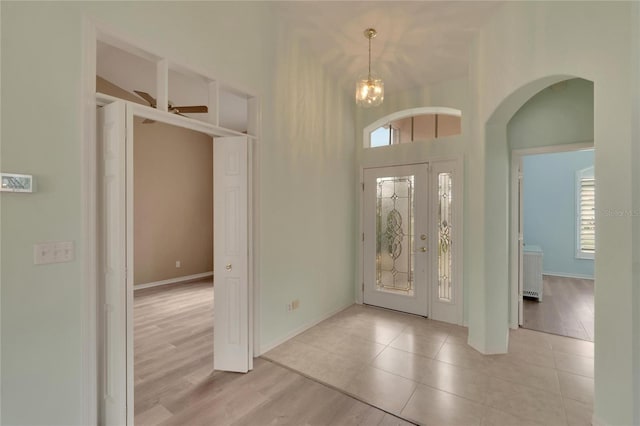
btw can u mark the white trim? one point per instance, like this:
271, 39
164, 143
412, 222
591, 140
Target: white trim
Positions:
568, 275
92, 32
551, 149
175, 280
128, 207
586, 173
266, 348
88, 323
405, 113
459, 160
136, 46
516, 157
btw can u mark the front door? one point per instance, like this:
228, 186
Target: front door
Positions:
395, 238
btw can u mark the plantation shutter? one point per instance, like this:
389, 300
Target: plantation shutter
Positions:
587, 215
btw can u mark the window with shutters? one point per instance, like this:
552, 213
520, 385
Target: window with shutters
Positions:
586, 214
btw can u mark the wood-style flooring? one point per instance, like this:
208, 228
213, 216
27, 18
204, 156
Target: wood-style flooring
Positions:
175, 384
566, 308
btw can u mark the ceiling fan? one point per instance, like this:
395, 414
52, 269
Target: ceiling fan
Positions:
180, 110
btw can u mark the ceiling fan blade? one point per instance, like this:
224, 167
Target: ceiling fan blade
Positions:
147, 121
147, 97
190, 109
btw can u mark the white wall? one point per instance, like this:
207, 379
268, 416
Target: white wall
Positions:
519, 47
305, 175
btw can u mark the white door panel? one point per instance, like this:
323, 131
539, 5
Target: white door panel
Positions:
412, 253
395, 223
112, 261
520, 247
231, 290
445, 195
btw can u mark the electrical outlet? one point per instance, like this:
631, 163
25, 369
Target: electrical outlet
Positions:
178, 264
53, 252
63, 251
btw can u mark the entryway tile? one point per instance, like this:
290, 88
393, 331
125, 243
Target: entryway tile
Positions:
429, 406
381, 389
417, 344
576, 387
526, 402
575, 364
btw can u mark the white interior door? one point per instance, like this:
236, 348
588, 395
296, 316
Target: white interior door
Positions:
111, 139
395, 238
445, 237
520, 247
230, 263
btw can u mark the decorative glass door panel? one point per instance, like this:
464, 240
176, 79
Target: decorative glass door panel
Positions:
444, 236
446, 191
394, 234
395, 238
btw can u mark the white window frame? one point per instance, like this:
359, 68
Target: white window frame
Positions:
386, 120
586, 173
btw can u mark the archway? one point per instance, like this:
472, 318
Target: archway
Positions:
490, 334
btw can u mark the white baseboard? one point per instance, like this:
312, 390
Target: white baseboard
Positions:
568, 275
173, 280
301, 329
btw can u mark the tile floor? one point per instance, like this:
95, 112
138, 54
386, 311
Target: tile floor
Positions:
423, 370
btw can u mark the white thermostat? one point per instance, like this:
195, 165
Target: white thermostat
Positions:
12, 182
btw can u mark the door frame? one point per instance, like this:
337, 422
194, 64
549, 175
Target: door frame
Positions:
459, 252
92, 32
515, 277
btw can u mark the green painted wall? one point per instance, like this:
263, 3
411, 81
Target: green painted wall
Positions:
512, 60
557, 115
306, 178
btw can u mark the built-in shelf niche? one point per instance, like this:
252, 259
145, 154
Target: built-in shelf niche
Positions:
121, 69
118, 70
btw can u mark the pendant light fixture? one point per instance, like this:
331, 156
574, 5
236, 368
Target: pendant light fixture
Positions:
369, 90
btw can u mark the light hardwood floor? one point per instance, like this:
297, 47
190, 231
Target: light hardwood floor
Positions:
566, 308
175, 385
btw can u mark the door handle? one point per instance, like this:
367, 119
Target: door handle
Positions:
423, 249
228, 267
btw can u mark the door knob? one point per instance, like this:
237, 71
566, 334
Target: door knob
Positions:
423, 237
423, 249
228, 267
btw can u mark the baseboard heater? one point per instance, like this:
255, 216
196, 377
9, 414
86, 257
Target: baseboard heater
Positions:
532, 272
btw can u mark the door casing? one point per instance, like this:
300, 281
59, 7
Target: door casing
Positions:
133, 109
458, 253
92, 32
515, 252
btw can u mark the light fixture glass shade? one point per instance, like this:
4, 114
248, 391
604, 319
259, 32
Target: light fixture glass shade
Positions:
369, 92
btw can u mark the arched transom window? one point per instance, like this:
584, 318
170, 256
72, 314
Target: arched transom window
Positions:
418, 124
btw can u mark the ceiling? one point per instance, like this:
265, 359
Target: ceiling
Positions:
418, 43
